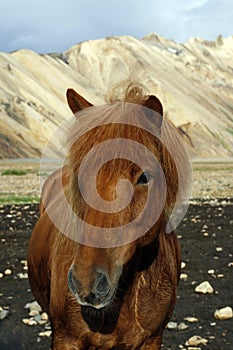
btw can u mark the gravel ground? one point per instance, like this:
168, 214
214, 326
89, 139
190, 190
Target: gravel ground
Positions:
210, 180
206, 240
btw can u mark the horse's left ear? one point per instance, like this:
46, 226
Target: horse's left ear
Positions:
155, 105
75, 101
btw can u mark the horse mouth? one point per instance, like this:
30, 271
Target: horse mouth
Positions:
98, 304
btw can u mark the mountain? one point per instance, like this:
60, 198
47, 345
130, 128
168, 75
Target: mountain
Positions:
194, 81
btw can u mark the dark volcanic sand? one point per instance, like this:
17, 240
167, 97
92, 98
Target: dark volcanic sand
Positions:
198, 251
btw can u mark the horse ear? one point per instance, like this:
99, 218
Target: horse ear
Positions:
155, 105
75, 101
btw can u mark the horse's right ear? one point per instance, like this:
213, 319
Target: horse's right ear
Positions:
153, 104
76, 102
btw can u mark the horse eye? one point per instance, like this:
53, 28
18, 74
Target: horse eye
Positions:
144, 179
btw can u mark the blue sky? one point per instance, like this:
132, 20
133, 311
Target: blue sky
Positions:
55, 25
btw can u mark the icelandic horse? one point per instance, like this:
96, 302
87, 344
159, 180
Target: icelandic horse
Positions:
117, 297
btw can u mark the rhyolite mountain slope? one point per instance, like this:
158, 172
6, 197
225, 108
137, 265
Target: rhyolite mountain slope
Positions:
193, 80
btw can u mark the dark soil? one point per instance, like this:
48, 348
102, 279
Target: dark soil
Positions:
206, 227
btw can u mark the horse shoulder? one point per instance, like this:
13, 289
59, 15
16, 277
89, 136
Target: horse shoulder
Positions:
53, 188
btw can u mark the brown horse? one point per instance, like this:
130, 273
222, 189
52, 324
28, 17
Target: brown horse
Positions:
101, 295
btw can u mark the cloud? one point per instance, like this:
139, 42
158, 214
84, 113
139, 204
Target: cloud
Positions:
55, 25
24, 40
195, 4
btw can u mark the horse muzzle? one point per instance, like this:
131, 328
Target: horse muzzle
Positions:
98, 293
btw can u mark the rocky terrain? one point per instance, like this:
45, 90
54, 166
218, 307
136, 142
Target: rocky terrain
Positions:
192, 79
205, 235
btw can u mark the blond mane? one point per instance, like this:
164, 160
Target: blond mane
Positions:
127, 91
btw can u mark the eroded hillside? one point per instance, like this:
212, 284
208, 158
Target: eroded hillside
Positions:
194, 81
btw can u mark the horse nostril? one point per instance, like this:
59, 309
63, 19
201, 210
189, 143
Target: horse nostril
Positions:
73, 283
101, 286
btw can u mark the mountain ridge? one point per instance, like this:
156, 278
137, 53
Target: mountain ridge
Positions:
194, 81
